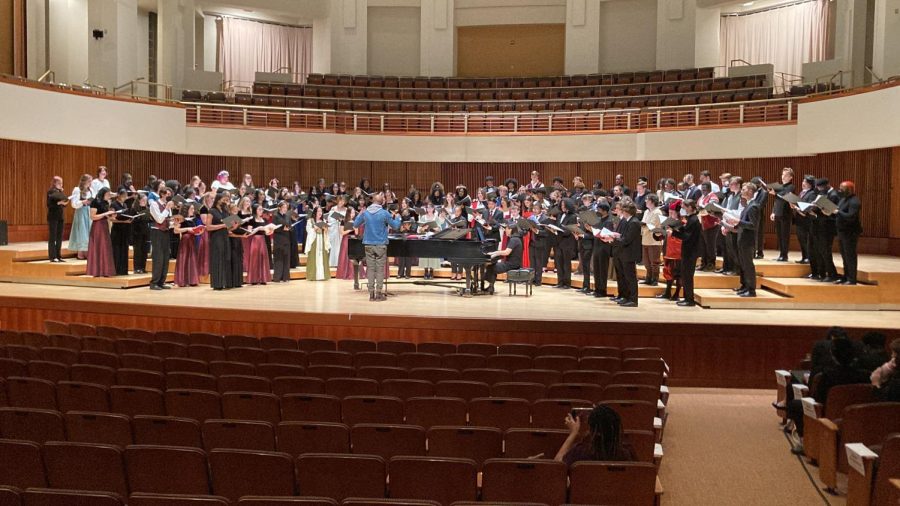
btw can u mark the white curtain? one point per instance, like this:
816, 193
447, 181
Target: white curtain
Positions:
246, 47
786, 37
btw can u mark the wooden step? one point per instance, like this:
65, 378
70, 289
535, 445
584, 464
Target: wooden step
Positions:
825, 294
728, 299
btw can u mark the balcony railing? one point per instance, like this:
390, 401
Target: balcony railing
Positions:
751, 113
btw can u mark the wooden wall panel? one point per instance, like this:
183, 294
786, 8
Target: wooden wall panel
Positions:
874, 171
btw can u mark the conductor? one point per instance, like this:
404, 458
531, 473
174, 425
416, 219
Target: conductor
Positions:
376, 222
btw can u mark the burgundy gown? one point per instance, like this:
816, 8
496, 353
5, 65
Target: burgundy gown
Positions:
100, 254
187, 265
258, 268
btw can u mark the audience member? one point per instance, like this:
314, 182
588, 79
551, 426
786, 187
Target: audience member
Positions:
595, 435
873, 354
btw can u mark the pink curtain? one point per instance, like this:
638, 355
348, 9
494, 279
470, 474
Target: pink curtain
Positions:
786, 37
246, 47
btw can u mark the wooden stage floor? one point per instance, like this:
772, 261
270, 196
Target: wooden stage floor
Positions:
738, 346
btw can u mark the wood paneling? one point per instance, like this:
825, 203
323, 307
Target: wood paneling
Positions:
511, 50
706, 353
875, 172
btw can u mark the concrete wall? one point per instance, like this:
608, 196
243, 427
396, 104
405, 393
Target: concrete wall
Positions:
393, 41
627, 24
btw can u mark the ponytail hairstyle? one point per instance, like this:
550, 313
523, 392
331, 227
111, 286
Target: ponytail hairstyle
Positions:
605, 433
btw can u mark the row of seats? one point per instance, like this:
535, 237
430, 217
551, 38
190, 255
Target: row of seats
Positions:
478, 443
511, 82
310, 344
163, 356
721, 84
234, 474
362, 105
425, 411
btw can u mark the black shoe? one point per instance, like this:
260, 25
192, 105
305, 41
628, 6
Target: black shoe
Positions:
739, 289
802, 261
730, 273
653, 282
562, 287
599, 295
719, 271
828, 279
848, 282
372, 296
155, 287
585, 290
685, 303
616, 299
664, 295
165, 287
628, 303
749, 293
839, 281
781, 259
742, 291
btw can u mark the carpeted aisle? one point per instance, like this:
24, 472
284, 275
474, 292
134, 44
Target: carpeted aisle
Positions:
726, 447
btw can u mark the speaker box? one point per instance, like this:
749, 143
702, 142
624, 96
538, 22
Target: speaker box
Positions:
4, 234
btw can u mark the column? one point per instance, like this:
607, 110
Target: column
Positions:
582, 37
437, 55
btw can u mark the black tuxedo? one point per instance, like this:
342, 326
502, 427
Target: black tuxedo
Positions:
849, 229
600, 257
822, 232
626, 253
566, 249
691, 239
746, 240
803, 222
783, 219
761, 198
585, 254
538, 249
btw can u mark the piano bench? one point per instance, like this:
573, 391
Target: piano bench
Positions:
518, 277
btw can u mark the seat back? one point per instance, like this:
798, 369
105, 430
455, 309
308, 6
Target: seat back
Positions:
431, 411
635, 415
238, 434
561, 363
38, 425
444, 480
387, 440
133, 401
251, 406
167, 431
296, 438
523, 443
21, 464
371, 409
841, 396
868, 424
518, 480
475, 443
237, 473
587, 391
85, 466
550, 413
519, 390
200, 405
102, 428
78, 396
341, 476
503, 413
888, 468
345, 387
543, 376
407, 388
626, 483
53, 497
166, 470
310, 408
466, 390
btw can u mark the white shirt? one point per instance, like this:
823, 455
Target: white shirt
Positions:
159, 215
96, 185
225, 186
76, 197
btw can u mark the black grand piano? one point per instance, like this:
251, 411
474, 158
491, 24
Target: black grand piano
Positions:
467, 253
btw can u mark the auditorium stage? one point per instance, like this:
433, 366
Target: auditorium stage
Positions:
737, 347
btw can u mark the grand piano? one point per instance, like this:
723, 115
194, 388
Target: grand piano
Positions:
467, 253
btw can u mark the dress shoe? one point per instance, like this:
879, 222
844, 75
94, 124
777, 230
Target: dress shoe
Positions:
562, 287
685, 303
380, 297
600, 295
165, 287
664, 295
155, 287
828, 279
781, 259
801, 261
372, 296
758, 256
730, 273
586, 290
839, 281
848, 282
719, 271
709, 268
590, 293
628, 303
750, 293
616, 299
742, 291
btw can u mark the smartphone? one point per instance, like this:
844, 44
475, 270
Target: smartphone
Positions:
583, 412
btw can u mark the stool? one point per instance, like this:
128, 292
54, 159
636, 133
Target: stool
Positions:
517, 277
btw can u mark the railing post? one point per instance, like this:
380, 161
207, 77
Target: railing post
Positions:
381, 123
324, 120
287, 119
355, 121
697, 116
658, 118
790, 110
516, 123
466, 123
741, 114
601, 121
431, 120
628, 122
198, 114
550, 122
245, 117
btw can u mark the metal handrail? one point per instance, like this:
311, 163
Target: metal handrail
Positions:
745, 62
49, 73
829, 79
872, 72
131, 85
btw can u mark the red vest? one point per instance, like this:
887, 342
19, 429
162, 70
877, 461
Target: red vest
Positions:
165, 224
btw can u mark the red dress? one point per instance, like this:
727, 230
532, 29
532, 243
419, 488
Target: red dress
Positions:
672, 258
100, 254
345, 267
187, 264
526, 240
258, 268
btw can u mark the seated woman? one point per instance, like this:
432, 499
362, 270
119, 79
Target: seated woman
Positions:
595, 435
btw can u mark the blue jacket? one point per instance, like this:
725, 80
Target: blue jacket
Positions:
376, 221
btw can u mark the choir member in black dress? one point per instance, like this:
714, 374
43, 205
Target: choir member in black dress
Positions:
140, 233
626, 254
782, 215
761, 198
823, 232
236, 239
219, 247
281, 250
746, 239
538, 249
121, 233
512, 257
160, 212
56, 203
567, 246
602, 251
100, 253
690, 234
849, 229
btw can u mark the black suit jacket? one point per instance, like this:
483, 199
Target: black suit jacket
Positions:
689, 234
781, 206
627, 248
848, 215
565, 239
748, 224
